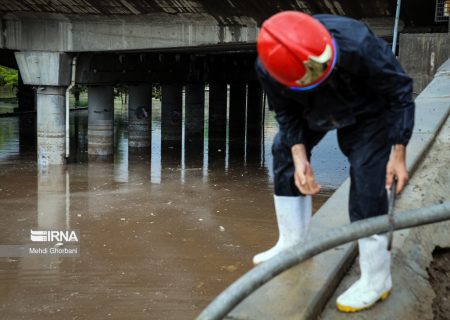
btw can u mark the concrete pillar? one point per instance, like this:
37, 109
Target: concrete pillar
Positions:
194, 124
51, 112
171, 116
50, 72
237, 120
254, 121
217, 122
139, 116
101, 120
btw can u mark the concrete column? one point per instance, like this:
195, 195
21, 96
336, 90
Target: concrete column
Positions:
171, 116
237, 120
217, 122
139, 116
194, 124
101, 120
254, 121
51, 114
50, 72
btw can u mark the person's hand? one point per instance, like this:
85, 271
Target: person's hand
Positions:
303, 176
305, 180
397, 167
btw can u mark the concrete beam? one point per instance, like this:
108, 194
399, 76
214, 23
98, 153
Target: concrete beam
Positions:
72, 33
185, 66
128, 25
44, 68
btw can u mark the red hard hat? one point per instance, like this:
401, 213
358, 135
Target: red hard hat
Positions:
296, 50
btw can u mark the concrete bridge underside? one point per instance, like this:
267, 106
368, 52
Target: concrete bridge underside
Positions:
82, 25
173, 43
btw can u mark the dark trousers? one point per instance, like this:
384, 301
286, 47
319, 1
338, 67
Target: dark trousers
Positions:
367, 148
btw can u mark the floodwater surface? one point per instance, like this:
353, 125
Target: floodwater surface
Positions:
160, 236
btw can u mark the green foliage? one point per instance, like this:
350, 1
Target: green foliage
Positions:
156, 91
9, 77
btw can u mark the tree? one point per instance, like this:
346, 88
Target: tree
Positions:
9, 77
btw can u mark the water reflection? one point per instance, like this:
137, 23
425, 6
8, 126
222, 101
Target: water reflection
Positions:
162, 232
9, 142
53, 199
18, 140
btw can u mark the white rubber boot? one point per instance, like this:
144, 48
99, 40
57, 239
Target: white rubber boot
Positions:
375, 283
293, 217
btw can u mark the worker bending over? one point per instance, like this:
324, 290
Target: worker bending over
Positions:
328, 72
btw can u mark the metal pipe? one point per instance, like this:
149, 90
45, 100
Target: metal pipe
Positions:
72, 82
255, 278
397, 17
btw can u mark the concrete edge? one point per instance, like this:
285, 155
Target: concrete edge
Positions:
331, 284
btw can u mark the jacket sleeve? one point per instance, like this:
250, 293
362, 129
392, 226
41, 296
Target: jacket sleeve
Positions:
287, 112
387, 78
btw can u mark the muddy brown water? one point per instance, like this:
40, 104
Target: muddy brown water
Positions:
159, 238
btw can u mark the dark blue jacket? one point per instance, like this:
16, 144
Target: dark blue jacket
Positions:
367, 80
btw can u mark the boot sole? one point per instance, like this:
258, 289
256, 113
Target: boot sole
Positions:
350, 309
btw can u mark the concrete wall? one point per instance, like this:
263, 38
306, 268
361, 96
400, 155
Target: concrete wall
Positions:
422, 54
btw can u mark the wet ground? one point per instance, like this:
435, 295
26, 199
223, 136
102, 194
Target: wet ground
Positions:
160, 237
439, 272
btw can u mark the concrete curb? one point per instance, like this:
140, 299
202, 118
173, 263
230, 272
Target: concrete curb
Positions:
302, 292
